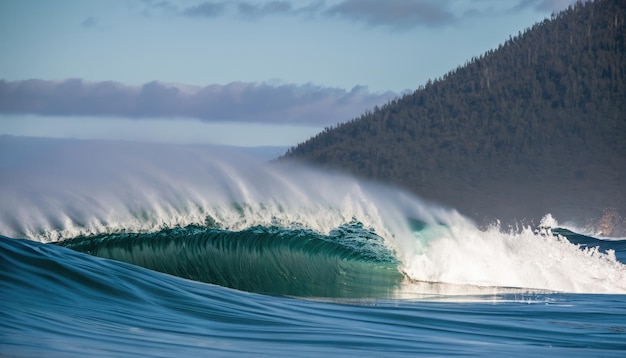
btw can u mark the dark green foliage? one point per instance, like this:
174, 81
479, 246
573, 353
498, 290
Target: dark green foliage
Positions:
538, 124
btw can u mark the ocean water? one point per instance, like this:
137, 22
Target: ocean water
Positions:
122, 249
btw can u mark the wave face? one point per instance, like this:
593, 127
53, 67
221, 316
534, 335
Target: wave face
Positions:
215, 216
349, 262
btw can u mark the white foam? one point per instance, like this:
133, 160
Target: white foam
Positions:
81, 187
548, 221
466, 255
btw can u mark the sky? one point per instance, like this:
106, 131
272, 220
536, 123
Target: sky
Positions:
243, 72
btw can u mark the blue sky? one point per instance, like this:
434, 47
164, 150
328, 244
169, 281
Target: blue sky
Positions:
242, 72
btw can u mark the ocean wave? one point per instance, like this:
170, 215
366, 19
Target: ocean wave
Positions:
157, 199
349, 262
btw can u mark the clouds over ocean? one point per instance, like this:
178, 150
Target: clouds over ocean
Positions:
393, 14
306, 104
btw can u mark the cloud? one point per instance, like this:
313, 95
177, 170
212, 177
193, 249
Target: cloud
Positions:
270, 8
89, 22
390, 13
243, 9
554, 5
205, 9
234, 102
393, 13
545, 5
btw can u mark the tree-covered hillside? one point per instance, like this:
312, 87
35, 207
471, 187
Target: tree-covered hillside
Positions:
535, 126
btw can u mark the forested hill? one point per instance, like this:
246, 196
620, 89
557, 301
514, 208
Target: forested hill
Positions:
535, 126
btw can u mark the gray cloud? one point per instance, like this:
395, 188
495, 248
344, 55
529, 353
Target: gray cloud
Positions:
205, 9
394, 13
390, 13
554, 5
89, 22
270, 8
238, 101
244, 9
545, 5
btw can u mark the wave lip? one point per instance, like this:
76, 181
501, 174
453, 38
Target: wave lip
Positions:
349, 262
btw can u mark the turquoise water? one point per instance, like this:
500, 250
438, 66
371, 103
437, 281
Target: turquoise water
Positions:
144, 250
349, 262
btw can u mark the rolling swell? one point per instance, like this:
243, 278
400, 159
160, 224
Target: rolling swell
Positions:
349, 262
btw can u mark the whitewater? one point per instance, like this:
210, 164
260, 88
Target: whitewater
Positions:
124, 249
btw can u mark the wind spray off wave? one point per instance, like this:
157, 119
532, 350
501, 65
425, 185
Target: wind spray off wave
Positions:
114, 198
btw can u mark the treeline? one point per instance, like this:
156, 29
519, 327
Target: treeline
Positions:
547, 106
